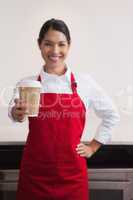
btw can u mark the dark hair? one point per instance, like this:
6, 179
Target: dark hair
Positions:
54, 24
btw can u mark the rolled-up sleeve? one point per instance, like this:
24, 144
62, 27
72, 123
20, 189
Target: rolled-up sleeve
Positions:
12, 103
105, 109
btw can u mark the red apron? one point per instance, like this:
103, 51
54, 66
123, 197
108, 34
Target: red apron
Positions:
51, 169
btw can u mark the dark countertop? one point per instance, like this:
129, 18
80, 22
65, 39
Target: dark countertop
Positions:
12, 143
108, 156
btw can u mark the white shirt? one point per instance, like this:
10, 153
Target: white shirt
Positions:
92, 95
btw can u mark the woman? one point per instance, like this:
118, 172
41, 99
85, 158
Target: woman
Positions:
53, 164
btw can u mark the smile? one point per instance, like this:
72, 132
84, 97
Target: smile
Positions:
54, 58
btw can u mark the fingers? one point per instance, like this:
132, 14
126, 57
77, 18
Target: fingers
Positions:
20, 105
81, 147
83, 150
18, 101
20, 109
20, 118
20, 112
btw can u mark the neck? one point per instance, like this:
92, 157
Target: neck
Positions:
57, 70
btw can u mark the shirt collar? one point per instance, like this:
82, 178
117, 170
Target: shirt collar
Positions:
66, 76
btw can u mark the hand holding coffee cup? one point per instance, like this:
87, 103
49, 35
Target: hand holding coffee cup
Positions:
29, 92
19, 110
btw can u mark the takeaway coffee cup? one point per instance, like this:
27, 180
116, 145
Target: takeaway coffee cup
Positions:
29, 91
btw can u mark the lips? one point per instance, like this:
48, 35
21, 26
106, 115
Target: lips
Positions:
54, 58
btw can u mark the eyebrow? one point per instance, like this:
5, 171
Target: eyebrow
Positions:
53, 42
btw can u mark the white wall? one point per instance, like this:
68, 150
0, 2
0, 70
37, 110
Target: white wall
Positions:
102, 44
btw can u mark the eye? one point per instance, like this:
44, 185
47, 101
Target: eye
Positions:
61, 45
47, 44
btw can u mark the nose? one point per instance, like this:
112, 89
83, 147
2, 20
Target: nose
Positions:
55, 49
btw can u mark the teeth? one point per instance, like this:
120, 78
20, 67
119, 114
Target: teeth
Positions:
54, 58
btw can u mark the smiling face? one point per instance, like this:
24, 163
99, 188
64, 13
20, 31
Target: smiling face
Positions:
54, 48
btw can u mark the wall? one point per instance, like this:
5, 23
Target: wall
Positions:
101, 40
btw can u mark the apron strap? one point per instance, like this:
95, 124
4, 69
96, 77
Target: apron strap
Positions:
73, 83
39, 78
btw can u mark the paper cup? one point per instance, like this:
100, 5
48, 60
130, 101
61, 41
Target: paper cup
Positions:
29, 91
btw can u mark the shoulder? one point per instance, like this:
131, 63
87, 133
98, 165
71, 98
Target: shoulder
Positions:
26, 78
89, 85
87, 80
